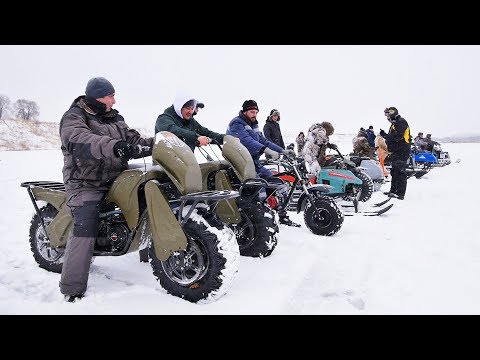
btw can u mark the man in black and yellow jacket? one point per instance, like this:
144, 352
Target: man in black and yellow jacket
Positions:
398, 142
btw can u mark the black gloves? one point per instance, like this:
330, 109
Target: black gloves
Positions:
128, 151
382, 133
332, 146
124, 150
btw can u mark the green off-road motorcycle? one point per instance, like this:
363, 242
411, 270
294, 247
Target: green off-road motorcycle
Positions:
160, 209
253, 222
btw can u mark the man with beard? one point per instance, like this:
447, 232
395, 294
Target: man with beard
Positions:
245, 127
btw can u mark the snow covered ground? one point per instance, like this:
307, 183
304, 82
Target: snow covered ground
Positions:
422, 257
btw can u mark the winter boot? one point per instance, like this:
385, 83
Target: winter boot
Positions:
72, 298
285, 220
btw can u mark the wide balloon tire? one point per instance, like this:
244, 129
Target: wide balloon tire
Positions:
206, 269
330, 220
47, 257
257, 233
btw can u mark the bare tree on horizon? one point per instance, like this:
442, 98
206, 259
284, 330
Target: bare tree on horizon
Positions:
26, 109
4, 105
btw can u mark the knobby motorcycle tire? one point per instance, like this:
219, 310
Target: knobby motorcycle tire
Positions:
40, 244
214, 253
258, 230
331, 216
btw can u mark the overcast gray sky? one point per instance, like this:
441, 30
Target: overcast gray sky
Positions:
434, 87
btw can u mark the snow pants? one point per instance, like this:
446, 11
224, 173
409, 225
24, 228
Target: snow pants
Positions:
399, 174
83, 206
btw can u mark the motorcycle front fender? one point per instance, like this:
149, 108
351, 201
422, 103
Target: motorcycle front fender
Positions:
124, 192
239, 157
319, 189
227, 210
167, 234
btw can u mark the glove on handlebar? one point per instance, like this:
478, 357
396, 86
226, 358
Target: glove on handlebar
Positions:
128, 151
272, 154
289, 153
123, 149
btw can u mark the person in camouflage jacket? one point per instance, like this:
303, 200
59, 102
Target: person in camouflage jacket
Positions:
96, 147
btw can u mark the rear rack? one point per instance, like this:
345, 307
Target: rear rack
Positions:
54, 185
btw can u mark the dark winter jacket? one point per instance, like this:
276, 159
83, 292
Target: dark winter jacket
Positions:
271, 130
88, 135
251, 137
398, 138
371, 137
187, 130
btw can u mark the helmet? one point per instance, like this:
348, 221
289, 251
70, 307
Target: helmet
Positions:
391, 112
328, 127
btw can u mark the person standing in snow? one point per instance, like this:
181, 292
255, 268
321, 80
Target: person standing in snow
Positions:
371, 136
300, 140
316, 144
96, 147
398, 142
361, 146
382, 151
178, 119
245, 128
271, 130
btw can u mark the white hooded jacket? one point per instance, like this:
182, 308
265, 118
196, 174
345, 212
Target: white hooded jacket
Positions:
181, 99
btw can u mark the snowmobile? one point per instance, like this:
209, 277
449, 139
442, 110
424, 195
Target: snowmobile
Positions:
443, 157
256, 223
371, 167
414, 168
348, 180
159, 208
436, 158
351, 184
348, 183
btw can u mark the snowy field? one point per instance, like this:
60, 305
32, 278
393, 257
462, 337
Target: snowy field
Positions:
422, 257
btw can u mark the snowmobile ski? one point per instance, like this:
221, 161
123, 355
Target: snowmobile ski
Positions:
369, 213
370, 206
382, 202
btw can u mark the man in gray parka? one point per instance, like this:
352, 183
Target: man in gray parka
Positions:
96, 147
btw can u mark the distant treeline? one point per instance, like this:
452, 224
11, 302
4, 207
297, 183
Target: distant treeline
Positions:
460, 139
21, 109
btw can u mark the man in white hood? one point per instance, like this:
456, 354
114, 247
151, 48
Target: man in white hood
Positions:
178, 119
